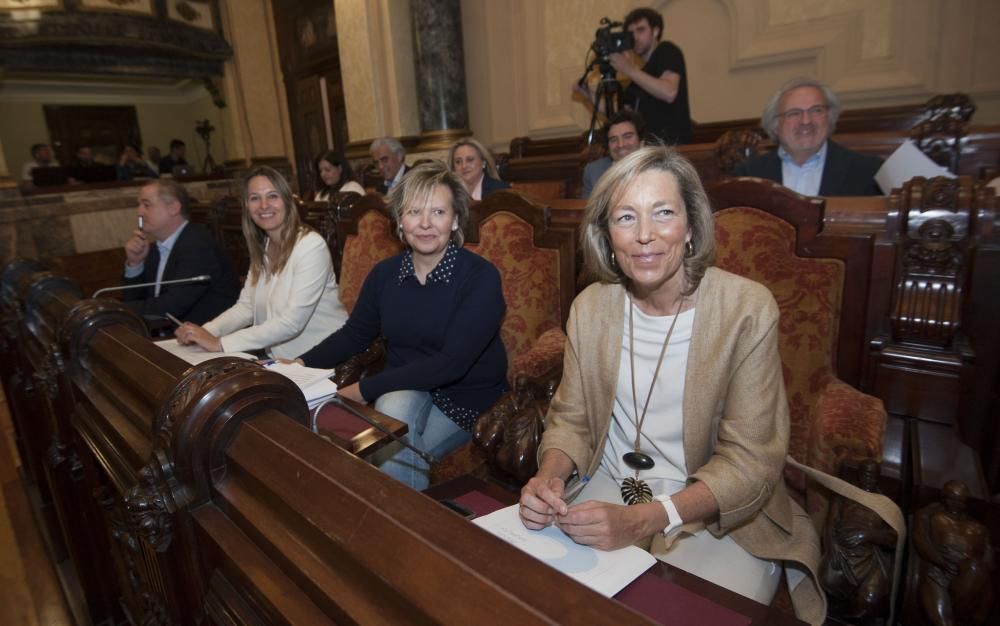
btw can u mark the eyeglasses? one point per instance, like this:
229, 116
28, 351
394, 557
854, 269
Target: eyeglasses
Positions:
794, 115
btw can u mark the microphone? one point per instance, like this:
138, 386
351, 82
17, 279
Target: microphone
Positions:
204, 278
430, 458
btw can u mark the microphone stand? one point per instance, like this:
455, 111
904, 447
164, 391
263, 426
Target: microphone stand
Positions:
204, 278
430, 458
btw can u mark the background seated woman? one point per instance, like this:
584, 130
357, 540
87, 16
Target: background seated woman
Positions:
672, 406
335, 176
475, 166
289, 302
439, 308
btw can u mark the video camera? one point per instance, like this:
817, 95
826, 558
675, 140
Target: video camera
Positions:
611, 37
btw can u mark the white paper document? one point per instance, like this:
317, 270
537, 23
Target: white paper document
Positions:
906, 162
195, 354
315, 383
605, 572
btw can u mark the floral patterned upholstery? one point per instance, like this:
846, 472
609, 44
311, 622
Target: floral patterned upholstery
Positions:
373, 242
530, 289
830, 420
537, 272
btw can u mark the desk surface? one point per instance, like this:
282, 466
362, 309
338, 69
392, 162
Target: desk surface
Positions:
353, 433
635, 595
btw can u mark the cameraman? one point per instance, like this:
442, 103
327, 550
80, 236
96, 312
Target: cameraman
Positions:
659, 90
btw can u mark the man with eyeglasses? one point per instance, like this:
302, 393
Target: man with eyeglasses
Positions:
623, 135
800, 118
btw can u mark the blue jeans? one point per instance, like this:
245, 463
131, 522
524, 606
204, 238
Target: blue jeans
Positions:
430, 430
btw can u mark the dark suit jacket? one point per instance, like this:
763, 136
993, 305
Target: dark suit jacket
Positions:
194, 253
491, 184
383, 187
846, 173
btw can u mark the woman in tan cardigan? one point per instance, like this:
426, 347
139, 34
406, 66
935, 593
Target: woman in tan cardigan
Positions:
671, 420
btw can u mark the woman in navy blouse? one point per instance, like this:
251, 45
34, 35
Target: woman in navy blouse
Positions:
439, 307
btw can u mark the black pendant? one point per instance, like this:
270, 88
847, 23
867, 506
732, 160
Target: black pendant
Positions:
638, 460
635, 491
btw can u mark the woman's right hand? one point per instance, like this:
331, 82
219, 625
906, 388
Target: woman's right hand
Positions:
189, 333
541, 501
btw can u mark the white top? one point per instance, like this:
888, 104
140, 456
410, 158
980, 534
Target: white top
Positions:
350, 185
663, 430
287, 313
32, 164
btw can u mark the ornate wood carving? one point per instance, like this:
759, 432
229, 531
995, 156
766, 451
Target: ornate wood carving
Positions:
86, 317
735, 147
192, 388
939, 135
150, 505
64, 41
937, 223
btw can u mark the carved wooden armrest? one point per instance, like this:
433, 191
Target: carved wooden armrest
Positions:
511, 429
371, 361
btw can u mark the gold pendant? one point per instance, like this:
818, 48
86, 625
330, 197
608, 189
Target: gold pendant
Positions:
635, 491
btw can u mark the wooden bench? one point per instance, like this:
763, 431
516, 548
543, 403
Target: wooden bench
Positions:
182, 494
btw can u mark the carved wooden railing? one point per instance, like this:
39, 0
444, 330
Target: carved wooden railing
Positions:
195, 494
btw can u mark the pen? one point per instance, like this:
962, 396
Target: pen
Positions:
174, 319
266, 362
577, 488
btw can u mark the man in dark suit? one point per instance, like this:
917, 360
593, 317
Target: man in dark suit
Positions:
389, 156
800, 118
168, 247
178, 149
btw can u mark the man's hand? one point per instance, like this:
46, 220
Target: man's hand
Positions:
622, 63
584, 90
136, 248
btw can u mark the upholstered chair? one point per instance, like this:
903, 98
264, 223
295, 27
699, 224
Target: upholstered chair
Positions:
819, 279
536, 264
365, 236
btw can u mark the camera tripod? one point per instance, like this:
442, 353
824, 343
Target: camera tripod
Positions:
609, 90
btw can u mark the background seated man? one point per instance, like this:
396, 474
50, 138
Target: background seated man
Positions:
41, 156
181, 250
389, 156
131, 164
175, 157
623, 134
800, 118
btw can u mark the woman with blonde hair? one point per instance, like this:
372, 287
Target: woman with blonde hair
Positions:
670, 426
439, 308
289, 301
474, 164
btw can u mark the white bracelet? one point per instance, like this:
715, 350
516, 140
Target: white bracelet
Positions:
673, 517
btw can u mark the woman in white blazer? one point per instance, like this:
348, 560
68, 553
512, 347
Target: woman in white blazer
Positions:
290, 301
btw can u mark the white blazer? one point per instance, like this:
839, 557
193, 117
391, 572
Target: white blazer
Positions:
287, 313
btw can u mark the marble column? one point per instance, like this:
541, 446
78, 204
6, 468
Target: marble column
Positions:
440, 66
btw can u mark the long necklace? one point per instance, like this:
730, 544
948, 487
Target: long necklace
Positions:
634, 490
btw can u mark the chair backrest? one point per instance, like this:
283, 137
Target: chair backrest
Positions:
536, 265
322, 216
365, 236
772, 235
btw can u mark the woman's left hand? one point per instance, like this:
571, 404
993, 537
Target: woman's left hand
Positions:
608, 526
189, 333
352, 392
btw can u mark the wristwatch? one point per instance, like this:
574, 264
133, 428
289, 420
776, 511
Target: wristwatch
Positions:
674, 520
